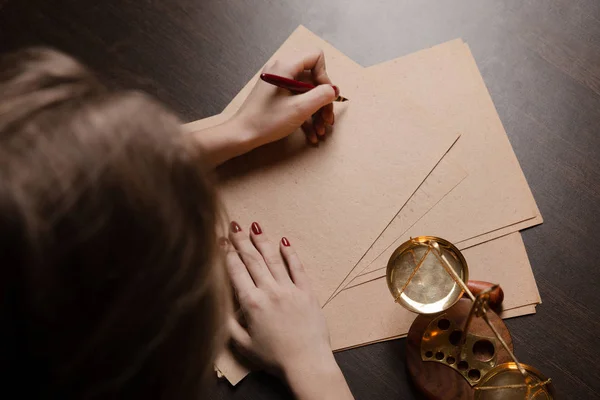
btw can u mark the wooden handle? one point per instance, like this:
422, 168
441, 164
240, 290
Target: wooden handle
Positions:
496, 296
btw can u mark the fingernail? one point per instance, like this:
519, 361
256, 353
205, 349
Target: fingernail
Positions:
223, 242
256, 228
337, 90
285, 242
235, 227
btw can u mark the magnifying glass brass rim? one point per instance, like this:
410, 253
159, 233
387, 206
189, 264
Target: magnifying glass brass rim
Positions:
510, 375
399, 291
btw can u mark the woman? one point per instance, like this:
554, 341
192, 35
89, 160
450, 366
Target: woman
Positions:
113, 284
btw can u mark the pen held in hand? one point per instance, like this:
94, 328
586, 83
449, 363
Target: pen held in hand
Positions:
292, 85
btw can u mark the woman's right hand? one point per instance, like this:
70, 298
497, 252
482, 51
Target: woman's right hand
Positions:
286, 329
270, 113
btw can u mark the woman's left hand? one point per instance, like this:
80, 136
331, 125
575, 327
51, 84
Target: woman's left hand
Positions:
285, 326
270, 113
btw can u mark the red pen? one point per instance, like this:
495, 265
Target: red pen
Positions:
293, 85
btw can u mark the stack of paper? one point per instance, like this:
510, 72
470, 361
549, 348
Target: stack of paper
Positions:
419, 150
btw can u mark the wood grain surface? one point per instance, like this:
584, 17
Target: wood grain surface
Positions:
540, 60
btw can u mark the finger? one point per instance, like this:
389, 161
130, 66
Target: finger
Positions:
327, 114
223, 243
294, 264
314, 61
250, 256
270, 253
308, 103
319, 124
239, 335
309, 131
238, 274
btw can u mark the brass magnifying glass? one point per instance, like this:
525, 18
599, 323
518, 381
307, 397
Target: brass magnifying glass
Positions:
417, 280
456, 348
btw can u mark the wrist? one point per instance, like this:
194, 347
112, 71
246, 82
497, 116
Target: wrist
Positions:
246, 135
225, 141
320, 378
310, 365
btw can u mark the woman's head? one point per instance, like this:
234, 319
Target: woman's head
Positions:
107, 231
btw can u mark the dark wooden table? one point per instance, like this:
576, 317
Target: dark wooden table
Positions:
540, 60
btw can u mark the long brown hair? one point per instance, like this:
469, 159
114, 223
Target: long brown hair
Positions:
107, 238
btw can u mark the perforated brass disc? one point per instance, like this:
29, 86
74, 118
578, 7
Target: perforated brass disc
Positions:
432, 289
500, 384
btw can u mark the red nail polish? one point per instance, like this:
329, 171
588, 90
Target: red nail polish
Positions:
235, 227
256, 228
337, 91
285, 242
